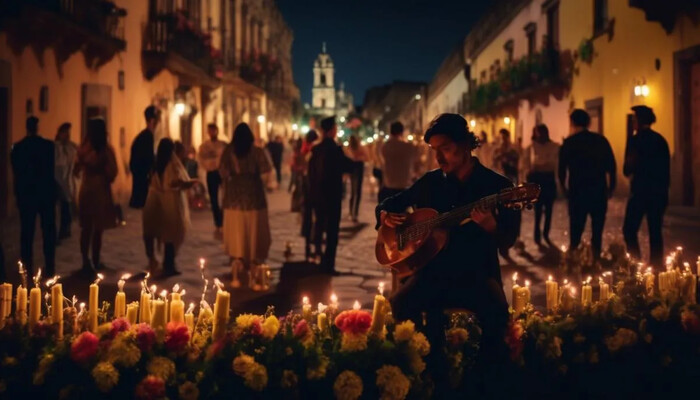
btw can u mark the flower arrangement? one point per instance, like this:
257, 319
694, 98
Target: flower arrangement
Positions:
256, 67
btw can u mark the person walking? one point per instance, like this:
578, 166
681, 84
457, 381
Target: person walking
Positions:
276, 149
506, 157
97, 164
485, 151
65, 153
357, 153
327, 165
306, 207
166, 214
647, 163
209, 157
33, 168
142, 158
247, 238
587, 177
399, 161
540, 161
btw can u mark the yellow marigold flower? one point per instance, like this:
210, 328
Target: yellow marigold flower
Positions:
353, 342
404, 331
242, 363
124, 352
44, 366
270, 327
622, 338
417, 364
244, 321
188, 391
162, 367
392, 383
319, 372
200, 339
105, 375
289, 379
347, 386
661, 312
256, 377
420, 343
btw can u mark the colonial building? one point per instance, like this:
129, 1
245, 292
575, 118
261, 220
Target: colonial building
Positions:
448, 91
533, 61
199, 61
325, 100
384, 104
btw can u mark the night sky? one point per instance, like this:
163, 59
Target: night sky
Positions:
373, 42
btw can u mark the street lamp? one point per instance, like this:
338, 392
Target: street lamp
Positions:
418, 96
472, 123
295, 127
506, 120
410, 138
341, 133
180, 108
342, 119
305, 129
261, 118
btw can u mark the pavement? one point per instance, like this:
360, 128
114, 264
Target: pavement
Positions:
292, 277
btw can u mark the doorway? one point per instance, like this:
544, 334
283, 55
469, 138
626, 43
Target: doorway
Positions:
594, 108
687, 147
96, 103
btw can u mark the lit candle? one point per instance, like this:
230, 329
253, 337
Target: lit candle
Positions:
189, 319
552, 292
604, 289
333, 306
177, 306
519, 296
526, 290
568, 296
5, 302
21, 305
132, 312
322, 319
356, 305
145, 302
93, 303
204, 312
378, 312
649, 282
35, 301
587, 292
56, 305
120, 298
688, 285
306, 309
158, 319
221, 311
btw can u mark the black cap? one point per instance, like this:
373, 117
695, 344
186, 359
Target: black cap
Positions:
452, 125
327, 124
644, 115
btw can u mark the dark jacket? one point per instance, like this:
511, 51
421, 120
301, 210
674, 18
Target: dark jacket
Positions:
327, 165
468, 267
648, 160
587, 160
33, 167
140, 164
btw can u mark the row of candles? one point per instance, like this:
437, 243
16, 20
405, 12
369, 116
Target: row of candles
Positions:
153, 308
675, 282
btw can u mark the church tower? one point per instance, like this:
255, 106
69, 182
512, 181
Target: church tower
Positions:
323, 92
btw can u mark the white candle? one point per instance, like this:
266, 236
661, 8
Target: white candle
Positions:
93, 301
587, 293
56, 305
552, 292
120, 298
35, 301
177, 306
378, 311
221, 311
322, 318
356, 305
306, 309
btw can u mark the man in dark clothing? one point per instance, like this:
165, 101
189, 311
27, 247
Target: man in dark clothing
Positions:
647, 160
35, 191
276, 148
587, 178
466, 273
142, 158
327, 165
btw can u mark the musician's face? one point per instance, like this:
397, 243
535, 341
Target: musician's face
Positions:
449, 154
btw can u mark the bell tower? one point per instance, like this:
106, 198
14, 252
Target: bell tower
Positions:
323, 92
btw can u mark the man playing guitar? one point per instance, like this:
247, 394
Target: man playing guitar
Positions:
466, 273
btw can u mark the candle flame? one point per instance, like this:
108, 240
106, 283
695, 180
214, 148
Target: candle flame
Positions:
679, 248
356, 305
649, 270
190, 309
550, 278
120, 285
154, 289
381, 288
176, 288
589, 279
99, 278
573, 290
566, 281
74, 300
53, 281
82, 307
201, 263
219, 285
164, 293
515, 278
125, 277
148, 275
37, 277
527, 283
334, 299
305, 301
563, 248
182, 293
322, 307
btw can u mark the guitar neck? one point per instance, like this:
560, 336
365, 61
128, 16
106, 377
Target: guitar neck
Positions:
456, 216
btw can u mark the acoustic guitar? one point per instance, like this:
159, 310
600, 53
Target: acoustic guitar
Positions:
409, 247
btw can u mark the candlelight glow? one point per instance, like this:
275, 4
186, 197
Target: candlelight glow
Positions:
82, 307
550, 278
218, 284
154, 289
183, 292
322, 307
164, 293
334, 299
588, 280
305, 301
125, 277
176, 288
356, 305
99, 278
381, 288
527, 283
53, 281
37, 277
190, 309
201, 263
515, 278
563, 248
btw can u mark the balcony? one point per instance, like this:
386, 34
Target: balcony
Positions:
94, 27
172, 42
533, 78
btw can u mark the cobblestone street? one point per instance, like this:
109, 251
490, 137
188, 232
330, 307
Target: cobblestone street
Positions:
292, 278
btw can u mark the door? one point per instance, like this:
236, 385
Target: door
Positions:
594, 108
694, 142
97, 100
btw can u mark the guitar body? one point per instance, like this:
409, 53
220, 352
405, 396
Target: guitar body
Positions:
415, 253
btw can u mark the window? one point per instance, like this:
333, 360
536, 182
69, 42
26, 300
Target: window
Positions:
531, 33
600, 16
594, 108
323, 79
323, 103
508, 47
553, 25
44, 98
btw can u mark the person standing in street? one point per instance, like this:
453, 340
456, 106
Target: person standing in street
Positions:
66, 152
97, 164
647, 162
209, 157
506, 157
33, 167
485, 151
327, 165
306, 208
276, 149
357, 153
399, 160
540, 161
587, 177
142, 158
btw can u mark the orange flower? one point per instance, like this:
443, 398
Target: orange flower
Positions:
354, 321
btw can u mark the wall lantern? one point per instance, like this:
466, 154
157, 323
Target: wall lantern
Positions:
472, 123
641, 89
295, 127
506, 120
418, 96
180, 108
305, 129
261, 118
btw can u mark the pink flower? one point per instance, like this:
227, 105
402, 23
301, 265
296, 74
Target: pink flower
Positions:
176, 336
119, 325
256, 328
151, 387
84, 347
301, 329
145, 337
354, 321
